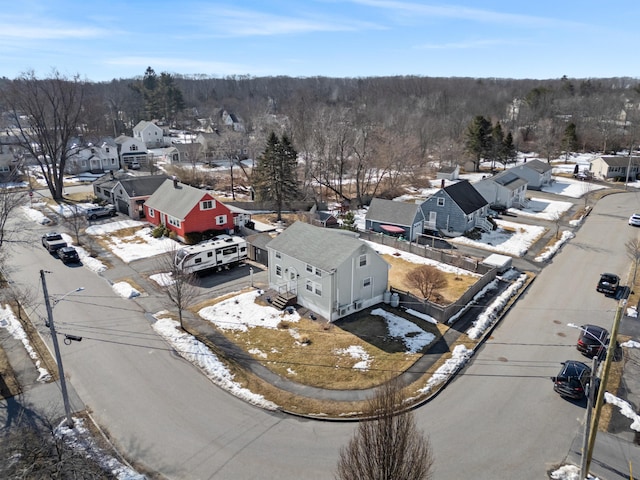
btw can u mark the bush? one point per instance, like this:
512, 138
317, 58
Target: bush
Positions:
160, 231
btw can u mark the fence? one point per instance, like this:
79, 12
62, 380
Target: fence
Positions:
441, 313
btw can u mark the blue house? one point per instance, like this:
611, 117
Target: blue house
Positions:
456, 209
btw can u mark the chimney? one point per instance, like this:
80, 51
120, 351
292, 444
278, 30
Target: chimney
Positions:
175, 181
442, 183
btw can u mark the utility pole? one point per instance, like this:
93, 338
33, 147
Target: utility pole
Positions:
611, 351
587, 422
56, 348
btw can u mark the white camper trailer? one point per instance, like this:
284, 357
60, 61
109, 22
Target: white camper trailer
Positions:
221, 252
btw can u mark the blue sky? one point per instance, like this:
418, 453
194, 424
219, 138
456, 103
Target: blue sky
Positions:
102, 40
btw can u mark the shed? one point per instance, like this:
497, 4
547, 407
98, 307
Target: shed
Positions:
501, 262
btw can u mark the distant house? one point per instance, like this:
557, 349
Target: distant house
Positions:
129, 194
166, 154
448, 173
9, 163
505, 189
93, 158
131, 151
149, 133
331, 272
456, 209
395, 218
184, 209
536, 173
615, 167
324, 219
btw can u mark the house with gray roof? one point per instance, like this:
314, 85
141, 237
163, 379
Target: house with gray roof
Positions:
536, 173
149, 133
505, 189
184, 209
615, 167
456, 209
130, 194
331, 272
395, 218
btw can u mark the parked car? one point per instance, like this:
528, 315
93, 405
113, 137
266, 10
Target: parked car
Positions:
584, 175
634, 220
573, 380
99, 212
593, 341
608, 283
68, 255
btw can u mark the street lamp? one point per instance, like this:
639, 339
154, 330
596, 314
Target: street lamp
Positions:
56, 347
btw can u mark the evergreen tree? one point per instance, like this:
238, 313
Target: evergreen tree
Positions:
274, 177
161, 97
569, 140
478, 139
509, 149
497, 144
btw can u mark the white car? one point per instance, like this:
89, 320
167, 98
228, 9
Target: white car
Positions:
635, 220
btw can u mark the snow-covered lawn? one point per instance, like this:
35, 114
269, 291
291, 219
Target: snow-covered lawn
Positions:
510, 238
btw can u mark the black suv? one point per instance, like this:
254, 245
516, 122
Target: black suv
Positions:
608, 283
68, 255
593, 341
573, 380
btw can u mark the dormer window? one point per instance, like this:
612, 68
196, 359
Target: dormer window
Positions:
441, 202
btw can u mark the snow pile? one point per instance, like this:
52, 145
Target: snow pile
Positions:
163, 279
199, 354
625, 409
486, 318
125, 290
359, 353
551, 251
241, 312
459, 357
510, 238
79, 438
14, 327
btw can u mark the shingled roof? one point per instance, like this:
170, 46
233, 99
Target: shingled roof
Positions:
465, 196
392, 211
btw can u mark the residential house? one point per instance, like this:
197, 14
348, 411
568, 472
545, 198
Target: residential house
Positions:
9, 163
456, 209
129, 194
331, 272
240, 216
536, 173
149, 133
131, 151
93, 158
184, 209
615, 167
102, 186
505, 189
166, 154
324, 219
448, 173
395, 218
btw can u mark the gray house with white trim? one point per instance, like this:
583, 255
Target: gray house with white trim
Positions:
536, 173
331, 272
505, 189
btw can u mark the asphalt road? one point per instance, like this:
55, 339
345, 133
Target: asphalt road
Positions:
499, 419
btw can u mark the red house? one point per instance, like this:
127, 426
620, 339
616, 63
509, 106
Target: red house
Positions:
184, 209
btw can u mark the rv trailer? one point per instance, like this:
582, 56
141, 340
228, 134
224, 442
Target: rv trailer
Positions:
221, 252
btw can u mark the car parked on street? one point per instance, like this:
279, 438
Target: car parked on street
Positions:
68, 255
573, 380
608, 283
593, 341
634, 220
53, 241
94, 213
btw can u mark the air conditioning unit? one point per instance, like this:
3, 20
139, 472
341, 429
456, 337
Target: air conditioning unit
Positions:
357, 305
343, 311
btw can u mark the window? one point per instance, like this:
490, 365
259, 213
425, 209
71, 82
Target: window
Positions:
278, 255
206, 205
318, 272
318, 289
309, 268
441, 202
309, 286
313, 287
366, 282
152, 212
221, 219
197, 260
209, 254
363, 260
278, 271
133, 148
173, 221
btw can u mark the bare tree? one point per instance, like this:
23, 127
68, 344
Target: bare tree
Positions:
10, 201
633, 253
388, 445
76, 221
46, 114
180, 286
427, 279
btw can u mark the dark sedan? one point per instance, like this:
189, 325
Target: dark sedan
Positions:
593, 341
